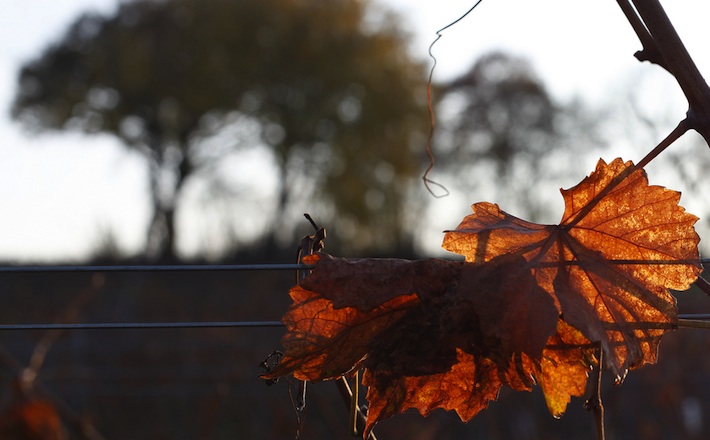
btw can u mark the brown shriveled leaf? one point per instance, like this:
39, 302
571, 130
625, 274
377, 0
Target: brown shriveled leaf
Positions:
413, 325
430, 334
608, 265
511, 308
325, 343
335, 324
475, 380
365, 283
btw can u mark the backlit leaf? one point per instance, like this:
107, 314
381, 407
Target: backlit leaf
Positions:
531, 304
609, 264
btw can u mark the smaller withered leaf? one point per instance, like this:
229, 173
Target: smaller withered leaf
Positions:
564, 367
608, 265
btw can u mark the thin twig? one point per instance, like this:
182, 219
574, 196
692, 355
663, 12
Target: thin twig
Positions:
432, 118
355, 404
594, 403
347, 394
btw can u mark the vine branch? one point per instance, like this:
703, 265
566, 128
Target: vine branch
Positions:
649, 52
662, 46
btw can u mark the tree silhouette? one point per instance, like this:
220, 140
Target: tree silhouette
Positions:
334, 96
501, 125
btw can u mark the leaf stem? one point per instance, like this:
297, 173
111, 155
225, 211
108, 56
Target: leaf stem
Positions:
682, 127
355, 403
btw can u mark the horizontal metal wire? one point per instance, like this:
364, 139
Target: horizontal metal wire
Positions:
201, 267
141, 325
208, 324
254, 267
702, 316
155, 268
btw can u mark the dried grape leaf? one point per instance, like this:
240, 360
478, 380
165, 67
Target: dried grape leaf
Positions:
608, 265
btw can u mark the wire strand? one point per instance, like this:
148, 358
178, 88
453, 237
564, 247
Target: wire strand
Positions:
201, 324
256, 267
154, 268
142, 325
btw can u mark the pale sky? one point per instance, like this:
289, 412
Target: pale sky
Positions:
49, 212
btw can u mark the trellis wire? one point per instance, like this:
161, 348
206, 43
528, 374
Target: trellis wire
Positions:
154, 268
199, 324
249, 267
193, 268
146, 268
142, 325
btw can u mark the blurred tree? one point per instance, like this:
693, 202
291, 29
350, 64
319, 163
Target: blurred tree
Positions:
504, 134
329, 87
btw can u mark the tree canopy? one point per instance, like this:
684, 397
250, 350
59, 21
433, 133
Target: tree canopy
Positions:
333, 92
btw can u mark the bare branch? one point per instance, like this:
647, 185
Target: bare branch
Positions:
666, 49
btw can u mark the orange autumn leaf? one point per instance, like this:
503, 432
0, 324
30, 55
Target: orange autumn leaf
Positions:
563, 368
608, 265
531, 304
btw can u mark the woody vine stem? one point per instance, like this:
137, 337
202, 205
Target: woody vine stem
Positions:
662, 46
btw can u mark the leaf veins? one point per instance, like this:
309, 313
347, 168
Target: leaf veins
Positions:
608, 265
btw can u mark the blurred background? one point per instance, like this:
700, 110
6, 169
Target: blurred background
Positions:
200, 131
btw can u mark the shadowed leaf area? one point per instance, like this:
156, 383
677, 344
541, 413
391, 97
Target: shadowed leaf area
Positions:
528, 306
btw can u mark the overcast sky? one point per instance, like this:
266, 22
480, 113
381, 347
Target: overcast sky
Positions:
50, 212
